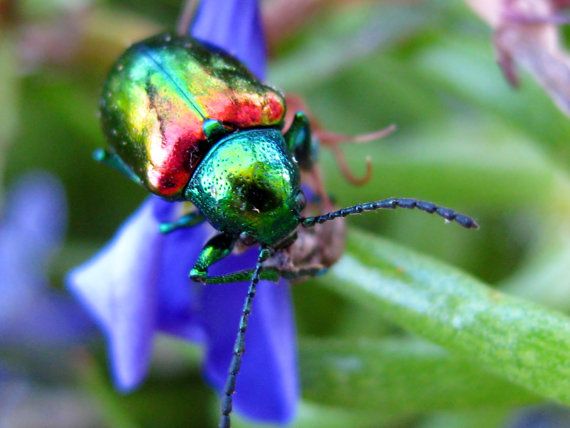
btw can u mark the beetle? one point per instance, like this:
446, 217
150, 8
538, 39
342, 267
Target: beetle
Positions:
189, 122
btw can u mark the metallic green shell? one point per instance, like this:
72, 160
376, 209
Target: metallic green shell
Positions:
249, 183
157, 97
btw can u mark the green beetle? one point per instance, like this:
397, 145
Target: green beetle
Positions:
190, 123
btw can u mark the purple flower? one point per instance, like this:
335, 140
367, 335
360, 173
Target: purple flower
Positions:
527, 34
138, 285
540, 416
235, 26
31, 229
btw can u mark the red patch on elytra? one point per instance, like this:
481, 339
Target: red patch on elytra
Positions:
182, 155
180, 151
247, 110
276, 108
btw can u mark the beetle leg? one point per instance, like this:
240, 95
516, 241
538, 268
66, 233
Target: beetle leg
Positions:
268, 274
300, 142
216, 248
294, 274
114, 161
187, 220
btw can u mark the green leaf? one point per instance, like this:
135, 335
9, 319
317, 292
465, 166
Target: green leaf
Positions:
9, 93
457, 164
310, 415
496, 417
94, 383
398, 377
512, 338
334, 45
468, 69
315, 416
541, 276
174, 399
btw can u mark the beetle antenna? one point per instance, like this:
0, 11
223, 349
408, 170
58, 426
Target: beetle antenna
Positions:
239, 345
392, 203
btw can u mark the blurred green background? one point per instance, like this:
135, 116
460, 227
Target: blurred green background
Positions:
465, 140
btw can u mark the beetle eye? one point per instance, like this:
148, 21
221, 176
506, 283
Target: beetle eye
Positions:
300, 200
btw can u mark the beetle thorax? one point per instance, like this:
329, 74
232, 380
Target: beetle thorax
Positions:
249, 183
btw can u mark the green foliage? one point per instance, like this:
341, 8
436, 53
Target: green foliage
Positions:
399, 377
512, 338
427, 326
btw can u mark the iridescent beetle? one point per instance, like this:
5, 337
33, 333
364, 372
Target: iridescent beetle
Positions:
190, 123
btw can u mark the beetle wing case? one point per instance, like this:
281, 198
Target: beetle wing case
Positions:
157, 97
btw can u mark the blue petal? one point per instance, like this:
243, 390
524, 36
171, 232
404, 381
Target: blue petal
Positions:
44, 320
32, 227
177, 298
13, 388
139, 284
267, 384
118, 288
540, 416
36, 207
267, 387
236, 27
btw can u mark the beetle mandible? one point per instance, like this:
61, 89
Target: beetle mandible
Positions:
190, 123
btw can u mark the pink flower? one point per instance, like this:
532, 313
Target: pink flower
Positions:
527, 34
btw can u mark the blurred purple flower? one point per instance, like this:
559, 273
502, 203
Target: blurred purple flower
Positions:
527, 33
31, 229
138, 285
235, 26
540, 416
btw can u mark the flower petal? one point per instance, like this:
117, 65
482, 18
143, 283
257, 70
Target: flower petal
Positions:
267, 384
267, 387
30, 314
44, 320
177, 297
31, 229
544, 416
527, 33
236, 27
36, 207
118, 288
